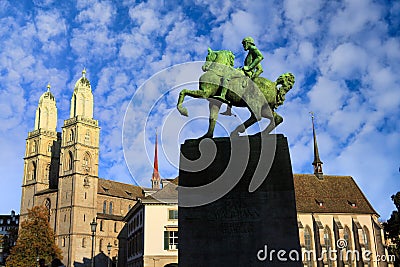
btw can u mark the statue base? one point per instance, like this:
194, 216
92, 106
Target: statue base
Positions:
241, 228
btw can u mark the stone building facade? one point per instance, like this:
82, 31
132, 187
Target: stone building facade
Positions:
61, 173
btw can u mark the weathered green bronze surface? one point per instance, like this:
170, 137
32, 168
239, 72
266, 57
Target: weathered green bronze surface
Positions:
221, 83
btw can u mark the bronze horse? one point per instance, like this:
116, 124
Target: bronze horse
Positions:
260, 96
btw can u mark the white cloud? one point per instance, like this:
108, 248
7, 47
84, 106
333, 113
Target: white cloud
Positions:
347, 61
326, 96
354, 16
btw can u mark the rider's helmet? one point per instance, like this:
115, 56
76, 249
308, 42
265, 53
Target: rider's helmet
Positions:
248, 40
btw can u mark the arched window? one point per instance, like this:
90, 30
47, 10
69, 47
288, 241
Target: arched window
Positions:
71, 135
104, 207
367, 244
32, 171
49, 146
328, 245
70, 160
347, 237
308, 246
111, 208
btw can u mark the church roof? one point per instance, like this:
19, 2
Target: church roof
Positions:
168, 194
117, 189
332, 194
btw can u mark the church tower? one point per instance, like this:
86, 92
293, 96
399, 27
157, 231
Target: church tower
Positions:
78, 182
41, 161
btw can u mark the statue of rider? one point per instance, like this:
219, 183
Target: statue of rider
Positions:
252, 68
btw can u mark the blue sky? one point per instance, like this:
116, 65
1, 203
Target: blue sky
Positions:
345, 56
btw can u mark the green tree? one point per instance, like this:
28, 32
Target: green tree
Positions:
392, 229
35, 239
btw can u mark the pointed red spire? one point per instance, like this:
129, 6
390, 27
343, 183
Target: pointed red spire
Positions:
155, 179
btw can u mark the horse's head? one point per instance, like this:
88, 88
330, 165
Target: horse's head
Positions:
223, 57
287, 82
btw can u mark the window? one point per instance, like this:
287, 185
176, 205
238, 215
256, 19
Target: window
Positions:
115, 227
111, 208
71, 135
104, 207
346, 237
173, 214
63, 242
83, 242
170, 240
70, 160
308, 246
101, 226
365, 237
49, 147
328, 245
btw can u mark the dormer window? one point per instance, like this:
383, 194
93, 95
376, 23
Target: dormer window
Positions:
352, 204
128, 193
105, 189
320, 203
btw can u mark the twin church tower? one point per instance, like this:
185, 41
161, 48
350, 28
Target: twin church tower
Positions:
61, 173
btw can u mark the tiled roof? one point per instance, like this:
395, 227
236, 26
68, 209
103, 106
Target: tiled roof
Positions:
333, 194
168, 194
117, 189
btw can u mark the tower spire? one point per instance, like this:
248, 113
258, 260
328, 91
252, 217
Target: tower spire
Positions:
155, 179
317, 163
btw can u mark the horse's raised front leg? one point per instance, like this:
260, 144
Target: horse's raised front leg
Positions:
185, 92
214, 107
242, 127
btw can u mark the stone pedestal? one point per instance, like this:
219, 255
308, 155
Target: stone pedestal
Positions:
241, 228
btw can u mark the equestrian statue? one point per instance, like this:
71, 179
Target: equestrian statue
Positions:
242, 87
